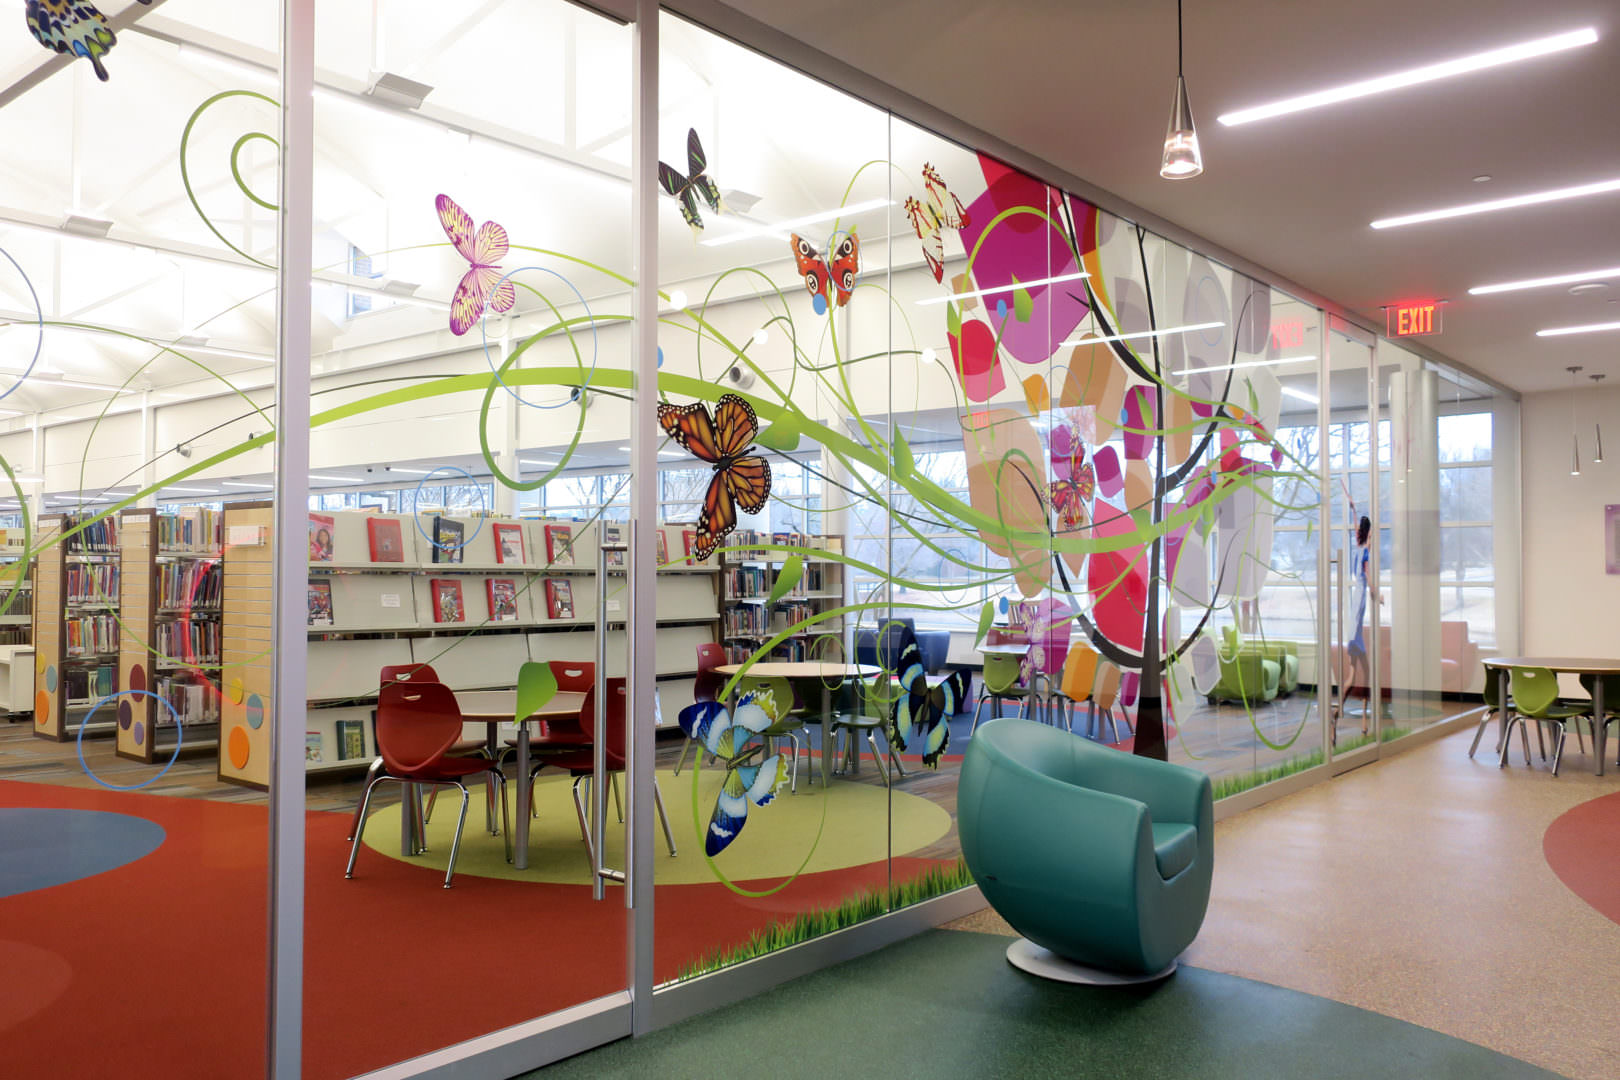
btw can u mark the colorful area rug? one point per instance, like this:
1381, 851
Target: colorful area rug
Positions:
1581, 847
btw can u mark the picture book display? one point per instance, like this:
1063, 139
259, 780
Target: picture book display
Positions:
663, 549
503, 604
321, 530
613, 546
689, 540
312, 746
560, 545
387, 542
320, 603
351, 739
509, 544
449, 540
559, 598
447, 602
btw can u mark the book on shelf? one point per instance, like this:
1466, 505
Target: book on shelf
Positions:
613, 546
351, 739
559, 598
663, 549
322, 527
186, 642
447, 602
312, 746
387, 541
689, 541
833, 545
503, 603
560, 546
91, 635
94, 538
449, 543
193, 586
91, 583
320, 603
509, 544
193, 701
192, 528
84, 684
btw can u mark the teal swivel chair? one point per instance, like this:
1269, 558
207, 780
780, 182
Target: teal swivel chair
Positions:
1103, 858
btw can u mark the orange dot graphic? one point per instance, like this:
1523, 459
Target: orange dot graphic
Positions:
239, 747
42, 708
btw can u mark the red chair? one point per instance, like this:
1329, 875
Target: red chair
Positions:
706, 687
579, 761
393, 673
572, 677
417, 725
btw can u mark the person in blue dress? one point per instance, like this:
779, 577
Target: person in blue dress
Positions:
1360, 673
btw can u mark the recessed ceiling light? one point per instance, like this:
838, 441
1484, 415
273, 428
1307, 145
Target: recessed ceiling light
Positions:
1541, 282
1301, 395
336, 479
1445, 69
677, 299
192, 490
536, 464
1588, 287
240, 484
1483, 178
1015, 286
1589, 328
1580, 191
1145, 333
1246, 364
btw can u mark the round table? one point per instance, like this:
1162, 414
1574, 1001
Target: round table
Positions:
1563, 665
829, 674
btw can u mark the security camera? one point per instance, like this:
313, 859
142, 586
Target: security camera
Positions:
183, 450
736, 375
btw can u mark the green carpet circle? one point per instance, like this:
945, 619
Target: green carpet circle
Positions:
862, 820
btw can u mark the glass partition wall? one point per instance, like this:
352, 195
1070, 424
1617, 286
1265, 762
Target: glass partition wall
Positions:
937, 443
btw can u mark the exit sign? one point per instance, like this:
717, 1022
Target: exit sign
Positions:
1413, 319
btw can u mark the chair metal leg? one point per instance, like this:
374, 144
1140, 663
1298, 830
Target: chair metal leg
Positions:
371, 774
978, 708
1524, 737
427, 815
871, 741
1541, 742
413, 799
1480, 731
613, 783
506, 810
365, 804
680, 761
1558, 752
663, 818
1507, 740
584, 830
455, 845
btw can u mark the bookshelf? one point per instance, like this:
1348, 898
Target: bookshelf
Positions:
170, 613
247, 600
76, 625
381, 592
749, 619
17, 581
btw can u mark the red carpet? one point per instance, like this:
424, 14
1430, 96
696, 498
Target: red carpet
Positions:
164, 959
1580, 848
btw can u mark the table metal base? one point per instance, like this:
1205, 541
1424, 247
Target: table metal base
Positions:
1025, 955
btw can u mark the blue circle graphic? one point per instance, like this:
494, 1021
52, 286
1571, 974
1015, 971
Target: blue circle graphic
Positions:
483, 330
179, 737
41, 847
416, 500
39, 323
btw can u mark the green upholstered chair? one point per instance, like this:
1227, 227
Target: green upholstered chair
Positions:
1493, 708
1535, 697
1103, 858
1246, 675
1284, 653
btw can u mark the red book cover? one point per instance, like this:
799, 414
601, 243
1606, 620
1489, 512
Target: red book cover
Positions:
322, 528
387, 543
560, 545
688, 540
559, 598
447, 603
663, 549
503, 605
509, 544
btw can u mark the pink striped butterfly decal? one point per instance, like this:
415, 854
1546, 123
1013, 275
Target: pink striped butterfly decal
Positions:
484, 249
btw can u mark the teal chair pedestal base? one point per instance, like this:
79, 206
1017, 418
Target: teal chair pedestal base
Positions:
1027, 956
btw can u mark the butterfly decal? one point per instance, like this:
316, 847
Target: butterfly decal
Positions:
1076, 478
484, 249
923, 709
818, 275
724, 441
748, 781
931, 218
74, 27
694, 185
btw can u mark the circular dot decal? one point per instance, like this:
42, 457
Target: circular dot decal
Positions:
234, 690
125, 715
255, 712
137, 677
50, 678
239, 747
819, 302
140, 733
42, 708
1001, 309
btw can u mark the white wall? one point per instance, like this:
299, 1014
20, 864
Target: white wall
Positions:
1571, 607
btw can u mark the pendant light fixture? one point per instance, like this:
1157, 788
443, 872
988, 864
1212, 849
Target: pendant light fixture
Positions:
1597, 381
1574, 416
1182, 158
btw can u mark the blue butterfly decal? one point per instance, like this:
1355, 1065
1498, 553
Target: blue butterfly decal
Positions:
921, 709
731, 739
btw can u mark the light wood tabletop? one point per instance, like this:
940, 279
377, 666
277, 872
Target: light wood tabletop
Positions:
1570, 665
497, 706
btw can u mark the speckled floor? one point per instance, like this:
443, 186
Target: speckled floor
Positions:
1417, 888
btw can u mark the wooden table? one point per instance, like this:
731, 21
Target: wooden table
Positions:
495, 707
803, 671
1563, 665
1006, 650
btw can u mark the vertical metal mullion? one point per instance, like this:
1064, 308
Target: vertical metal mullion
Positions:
1324, 587
1375, 540
294, 270
641, 621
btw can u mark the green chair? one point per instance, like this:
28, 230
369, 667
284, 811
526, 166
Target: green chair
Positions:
1101, 857
790, 722
1247, 677
1285, 654
1611, 699
1493, 708
1535, 697
1000, 683
876, 702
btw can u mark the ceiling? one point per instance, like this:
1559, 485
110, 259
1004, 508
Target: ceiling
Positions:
1087, 87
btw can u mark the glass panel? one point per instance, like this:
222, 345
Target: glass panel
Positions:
473, 332
1359, 648
133, 375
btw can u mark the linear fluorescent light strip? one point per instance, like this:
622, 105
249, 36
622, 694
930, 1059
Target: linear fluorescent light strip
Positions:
1580, 191
1537, 283
796, 223
240, 484
335, 479
1445, 69
1014, 287
1301, 395
193, 491
1589, 328
1144, 333
1246, 364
